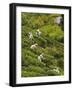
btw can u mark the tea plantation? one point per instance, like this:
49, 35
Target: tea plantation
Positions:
50, 42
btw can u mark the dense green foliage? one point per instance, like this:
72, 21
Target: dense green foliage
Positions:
50, 43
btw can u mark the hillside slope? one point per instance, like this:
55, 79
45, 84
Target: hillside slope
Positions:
49, 43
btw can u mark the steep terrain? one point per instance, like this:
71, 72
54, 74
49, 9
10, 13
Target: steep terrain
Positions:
50, 43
